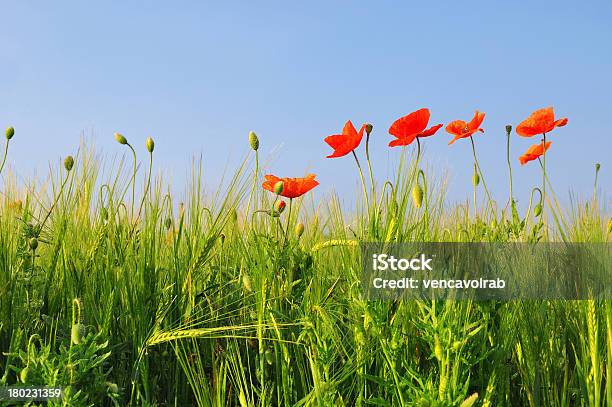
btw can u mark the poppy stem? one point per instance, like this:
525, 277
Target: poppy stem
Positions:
254, 182
5, 155
510, 169
367, 152
288, 221
484, 184
133, 179
544, 178
363, 184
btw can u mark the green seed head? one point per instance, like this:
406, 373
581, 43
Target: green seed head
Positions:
299, 230
537, 211
508, 129
33, 243
417, 195
68, 163
279, 206
120, 139
597, 167
475, 177
278, 187
368, 128
10, 132
150, 145
253, 140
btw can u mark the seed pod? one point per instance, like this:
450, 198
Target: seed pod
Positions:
77, 333
120, 139
33, 243
253, 140
417, 195
537, 211
279, 206
475, 177
508, 129
68, 163
278, 187
368, 128
10, 132
150, 145
299, 230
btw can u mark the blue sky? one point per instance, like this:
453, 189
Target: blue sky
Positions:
197, 76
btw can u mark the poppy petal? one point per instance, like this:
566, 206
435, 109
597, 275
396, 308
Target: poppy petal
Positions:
430, 131
405, 141
456, 127
561, 122
410, 124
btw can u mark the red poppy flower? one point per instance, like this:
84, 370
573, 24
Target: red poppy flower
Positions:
346, 142
461, 129
540, 122
534, 152
411, 126
292, 187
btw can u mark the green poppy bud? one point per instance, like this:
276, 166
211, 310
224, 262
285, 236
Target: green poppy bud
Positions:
269, 355
112, 387
417, 195
537, 211
10, 132
299, 230
279, 206
278, 187
253, 140
246, 283
33, 243
68, 163
368, 128
475, 177
120, 139
77, 333
508, 129
150, 145
597, 167
23, 375
168, 223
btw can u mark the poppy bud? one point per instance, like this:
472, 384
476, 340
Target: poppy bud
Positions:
299, 230
368, 128
150, 145
597, 167
222, 238
279, 206
10, 132
475, 177
68, 163
278, 187
120, 139
269, 355
417, 195
112, 387
253, 141
77, 333
246, 283
33, 243
508, 129
23, 375
168, 223
537, 210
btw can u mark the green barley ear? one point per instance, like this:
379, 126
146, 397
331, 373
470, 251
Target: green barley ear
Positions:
417, 195
120, 139
475, 177
10, 132
33, 243
68, 163
253, 140
279, 187
299, 230
150, 145
246, 282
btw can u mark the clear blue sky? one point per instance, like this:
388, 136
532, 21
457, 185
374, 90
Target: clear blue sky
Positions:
197, 76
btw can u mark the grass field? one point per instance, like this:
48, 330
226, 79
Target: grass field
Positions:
113, 288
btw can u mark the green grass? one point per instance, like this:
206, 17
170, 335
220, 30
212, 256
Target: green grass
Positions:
185, 301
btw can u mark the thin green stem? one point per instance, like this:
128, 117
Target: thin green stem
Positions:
544, 178
133, 179
5, 155
55, 201
255, 174
363, 184
510, 169
367, 152
147, 185
484, 184
288, 221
